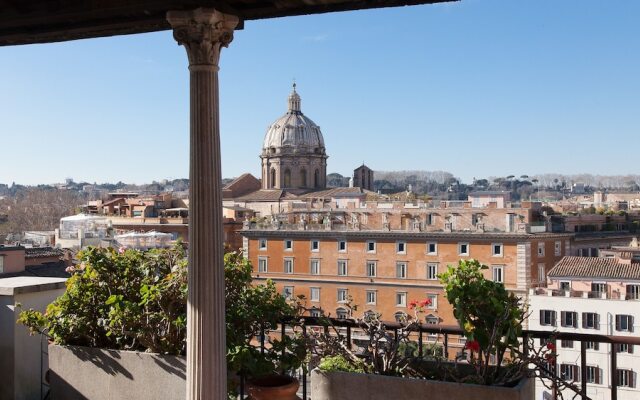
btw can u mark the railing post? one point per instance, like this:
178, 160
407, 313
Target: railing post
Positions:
446, 346
614, 372
304, 369
420, 352
349, 337
583, 368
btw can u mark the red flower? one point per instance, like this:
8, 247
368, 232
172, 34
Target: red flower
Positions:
425, 302
472, 345
551, 346
413, 304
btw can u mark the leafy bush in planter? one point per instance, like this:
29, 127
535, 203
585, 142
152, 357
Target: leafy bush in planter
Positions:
135, 300
124, 300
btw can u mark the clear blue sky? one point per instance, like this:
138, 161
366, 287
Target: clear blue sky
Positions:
477, 88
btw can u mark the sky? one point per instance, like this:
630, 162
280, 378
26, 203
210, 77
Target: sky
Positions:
478, 88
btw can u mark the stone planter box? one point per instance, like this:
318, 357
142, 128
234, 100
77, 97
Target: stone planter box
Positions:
354, 386
97, 374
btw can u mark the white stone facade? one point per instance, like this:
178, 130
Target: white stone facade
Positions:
552, 305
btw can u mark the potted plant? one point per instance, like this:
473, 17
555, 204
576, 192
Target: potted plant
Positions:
118, 331
494, 366
254, 312
123, 314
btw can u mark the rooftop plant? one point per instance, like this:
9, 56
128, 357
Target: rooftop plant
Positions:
134, 300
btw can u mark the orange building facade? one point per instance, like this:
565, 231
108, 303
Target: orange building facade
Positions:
384, 271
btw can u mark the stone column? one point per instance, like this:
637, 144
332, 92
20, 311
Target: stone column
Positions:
203, 32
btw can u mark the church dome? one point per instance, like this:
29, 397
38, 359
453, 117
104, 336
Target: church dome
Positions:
293, 132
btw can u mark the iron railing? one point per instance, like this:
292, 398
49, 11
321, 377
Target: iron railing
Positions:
446, 332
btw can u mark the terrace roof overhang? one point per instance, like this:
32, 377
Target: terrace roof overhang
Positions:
43, 21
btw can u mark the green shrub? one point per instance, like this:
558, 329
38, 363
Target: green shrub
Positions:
339, 363
129, 300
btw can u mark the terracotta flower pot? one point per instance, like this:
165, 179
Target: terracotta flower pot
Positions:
273, 387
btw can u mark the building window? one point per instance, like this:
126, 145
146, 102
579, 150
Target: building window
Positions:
371, 246
342, 246
432, 248
370, 315
400, 317
315, 245
371, 269
288, 245
625, 378
342, 295
315, 267
262, 264
342, 267
288, 265
566, 344
287, 292
371, 296
401, 270
315, 312
569, 372
547, 317
496, 249
565, 285
303, 177
541, 273
592, 346
593, 375
314, 294
433, 301
432, 319
463, 249
341, 313
624, 323
598, 288
401, 247
590, 320
540, 249
569, 319
262, 244
432, 271
624, 348
633, 292
498, 273
287, 178
557, 248
401, 299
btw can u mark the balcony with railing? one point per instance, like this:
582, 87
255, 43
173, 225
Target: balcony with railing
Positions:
452, 343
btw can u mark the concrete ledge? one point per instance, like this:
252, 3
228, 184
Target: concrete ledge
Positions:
353, 386
98, 374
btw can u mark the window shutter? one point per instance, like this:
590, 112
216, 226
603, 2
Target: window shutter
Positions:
617, 322
597, 321
576, 373
553, 318
632, 379
563, 316
630, 320
542, 317
584, 321
597, 375
631, 349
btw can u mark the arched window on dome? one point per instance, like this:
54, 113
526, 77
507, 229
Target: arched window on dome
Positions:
303, 178
287, 178
273, 178
316, 179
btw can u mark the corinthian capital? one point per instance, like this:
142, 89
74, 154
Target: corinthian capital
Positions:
203, 32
